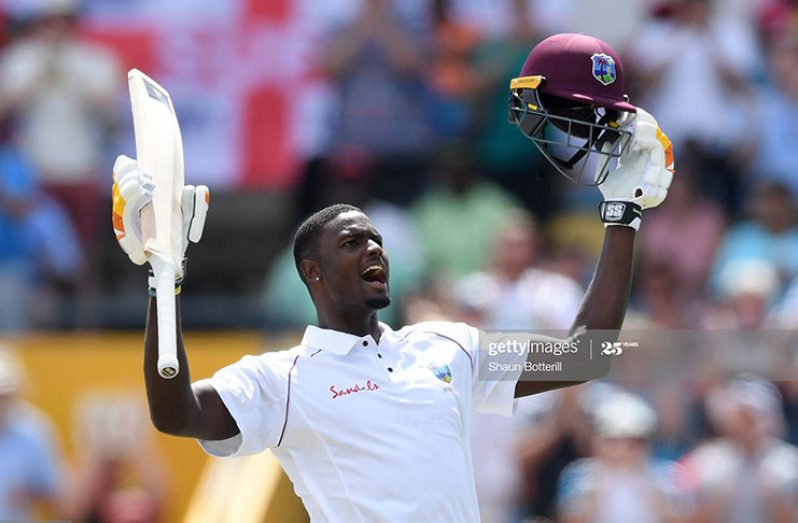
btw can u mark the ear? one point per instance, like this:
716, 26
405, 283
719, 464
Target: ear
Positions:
311, 272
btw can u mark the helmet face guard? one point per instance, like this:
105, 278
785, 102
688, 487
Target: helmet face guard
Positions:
559, 126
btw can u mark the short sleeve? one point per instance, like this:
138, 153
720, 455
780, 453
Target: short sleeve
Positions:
254, 390
495, 378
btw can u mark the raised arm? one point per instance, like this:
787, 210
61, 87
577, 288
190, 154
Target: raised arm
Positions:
641, 181
176, 407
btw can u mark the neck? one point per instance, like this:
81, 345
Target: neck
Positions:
351, 322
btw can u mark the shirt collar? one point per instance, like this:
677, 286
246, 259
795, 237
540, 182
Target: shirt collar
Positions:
337, 342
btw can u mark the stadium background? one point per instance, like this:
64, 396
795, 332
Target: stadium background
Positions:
279, 121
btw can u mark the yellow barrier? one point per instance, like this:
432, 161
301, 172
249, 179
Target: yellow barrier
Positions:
62, 368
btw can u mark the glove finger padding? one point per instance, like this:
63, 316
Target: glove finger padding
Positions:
645, 170
194, 203
132, 191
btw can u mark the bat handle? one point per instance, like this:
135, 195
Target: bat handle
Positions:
167, 331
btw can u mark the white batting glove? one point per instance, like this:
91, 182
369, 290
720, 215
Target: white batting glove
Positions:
643, 176
132, 191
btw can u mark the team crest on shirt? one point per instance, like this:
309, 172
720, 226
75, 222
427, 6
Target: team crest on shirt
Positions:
441, 372
603, 68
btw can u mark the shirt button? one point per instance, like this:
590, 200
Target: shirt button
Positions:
365, 343
379, 355
390, 369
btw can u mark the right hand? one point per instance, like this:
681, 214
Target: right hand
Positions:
132, 191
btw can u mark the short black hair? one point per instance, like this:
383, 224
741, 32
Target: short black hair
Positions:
306, 239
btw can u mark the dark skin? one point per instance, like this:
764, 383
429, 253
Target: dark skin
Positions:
347, 296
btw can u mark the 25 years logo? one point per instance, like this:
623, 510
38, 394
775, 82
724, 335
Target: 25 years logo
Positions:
616, 348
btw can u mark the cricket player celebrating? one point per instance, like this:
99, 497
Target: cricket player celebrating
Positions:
372, 424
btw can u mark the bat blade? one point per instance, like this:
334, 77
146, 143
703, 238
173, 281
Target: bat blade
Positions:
159, 150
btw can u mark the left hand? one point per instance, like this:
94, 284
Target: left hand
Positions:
643, 175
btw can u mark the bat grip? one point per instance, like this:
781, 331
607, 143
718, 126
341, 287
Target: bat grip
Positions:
167, 331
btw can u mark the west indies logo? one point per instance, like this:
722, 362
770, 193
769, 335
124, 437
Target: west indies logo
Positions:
603, 68
441, 372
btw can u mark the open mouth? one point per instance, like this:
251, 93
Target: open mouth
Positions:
374, 274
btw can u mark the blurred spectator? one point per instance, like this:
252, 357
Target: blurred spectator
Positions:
505, 155
61, 92
777, 107
16, 267
620, 483
747, 288
495, 443
747, 474
695, 70
661, 297
496, 19
514, 293
119, 476
451, 75
770, 235
685, 220
720, 59
376, 66
458, 219
551, 443
777, 18
574, 240
39, 254
786, 313
30, 460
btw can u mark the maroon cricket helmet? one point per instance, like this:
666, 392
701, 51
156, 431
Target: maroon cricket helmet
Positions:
580, 68
570, 94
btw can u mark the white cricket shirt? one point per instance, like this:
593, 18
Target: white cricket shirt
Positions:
368, 432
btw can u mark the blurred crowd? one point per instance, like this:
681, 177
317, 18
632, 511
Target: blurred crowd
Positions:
115, 476
479, 230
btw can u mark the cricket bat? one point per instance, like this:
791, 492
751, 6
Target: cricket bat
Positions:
159, 151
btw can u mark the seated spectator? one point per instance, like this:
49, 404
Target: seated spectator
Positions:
458, 219
770, 235
515, 292
685, 220
39, 251
17, 189
747, 474
119, 477
661, 299
620, 483
30, 460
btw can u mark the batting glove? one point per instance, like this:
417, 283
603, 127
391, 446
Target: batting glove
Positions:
643, 175
132, 191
